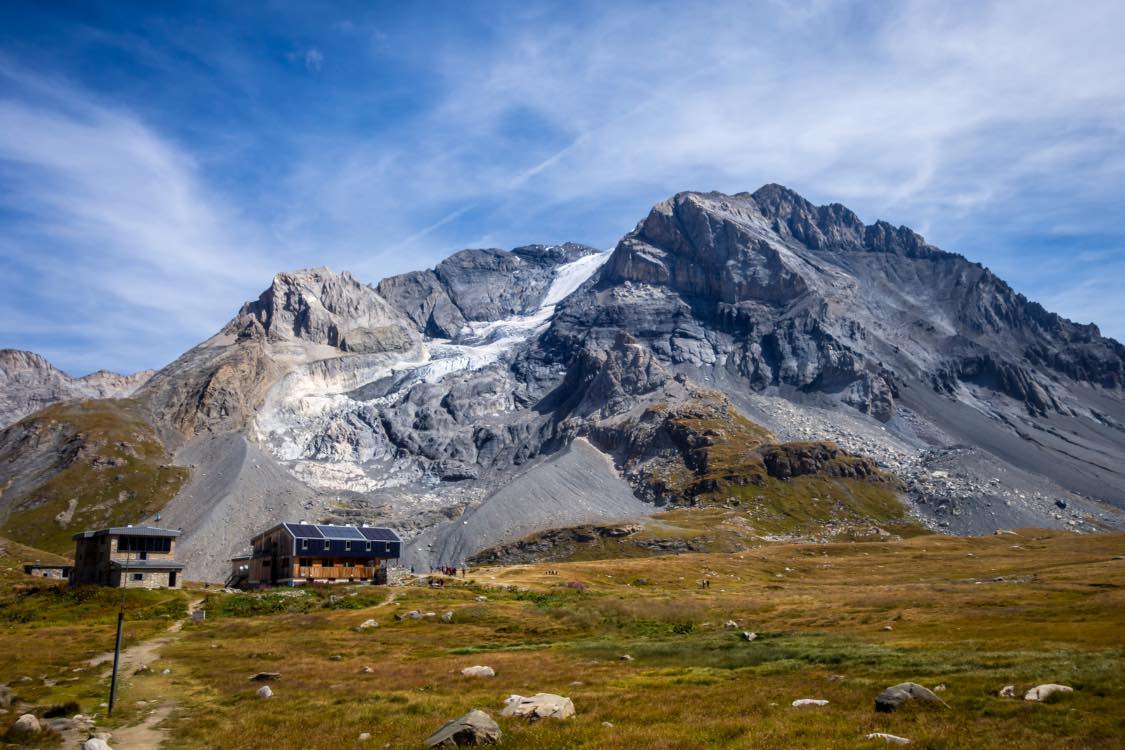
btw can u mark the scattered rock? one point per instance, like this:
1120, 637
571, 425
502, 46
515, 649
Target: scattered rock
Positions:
607, 724
265, 692
142, 669
890, 739
894, 696
939, 688
25, 725
335, 657
411, 615
266, 677
539, 706
809, 702
482, 598
96, 743
447, 617
1008, 691
367, 625
6, 696
749, 636
364, 736
166, 671
888, 627
730, 625
1042, 692
626, 657
474, 728
366, 670
478, 671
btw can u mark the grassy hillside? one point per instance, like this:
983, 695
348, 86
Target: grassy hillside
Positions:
706, 454
972, 615
95, 463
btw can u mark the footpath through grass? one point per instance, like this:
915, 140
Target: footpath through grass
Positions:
973, 615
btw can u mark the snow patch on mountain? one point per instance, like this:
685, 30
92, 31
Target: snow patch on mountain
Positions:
323, 419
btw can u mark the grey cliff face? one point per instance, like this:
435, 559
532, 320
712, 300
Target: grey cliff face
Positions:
421, 399
28, 383
323, 307
478, 286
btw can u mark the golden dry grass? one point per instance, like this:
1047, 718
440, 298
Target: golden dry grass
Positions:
1056, 615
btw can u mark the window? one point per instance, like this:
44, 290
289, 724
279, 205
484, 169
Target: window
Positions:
304, 544
347, 546
327, 544
138, 576
144, 544
369, 546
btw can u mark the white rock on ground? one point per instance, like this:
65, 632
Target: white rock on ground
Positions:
1008, 691
26, 724
890, 739
478, 671
96, 743
367, 624
539, 706
265, 692
1042, 692
809, 702
748, 636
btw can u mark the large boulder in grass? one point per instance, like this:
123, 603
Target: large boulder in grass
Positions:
478, 671
6, 696
894, 696
539, 706
25, 726
96, 743
1043, 692
474, 728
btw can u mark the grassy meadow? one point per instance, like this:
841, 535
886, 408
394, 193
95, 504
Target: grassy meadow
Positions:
973, 615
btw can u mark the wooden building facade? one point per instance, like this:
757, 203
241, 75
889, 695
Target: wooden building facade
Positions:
298, 553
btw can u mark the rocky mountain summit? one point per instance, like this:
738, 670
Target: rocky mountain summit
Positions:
28, 383
751, 351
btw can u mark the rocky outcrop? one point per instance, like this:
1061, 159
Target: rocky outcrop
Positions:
478, 286
28, 383
322, 307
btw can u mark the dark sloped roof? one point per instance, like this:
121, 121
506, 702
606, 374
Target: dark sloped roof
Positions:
304, 530
127, 531
329, 531
147, 564
379, 534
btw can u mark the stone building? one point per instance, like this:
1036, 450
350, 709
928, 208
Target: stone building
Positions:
132, 556
47, 570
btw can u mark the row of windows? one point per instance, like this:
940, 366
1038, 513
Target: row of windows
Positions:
144, 544
328, 545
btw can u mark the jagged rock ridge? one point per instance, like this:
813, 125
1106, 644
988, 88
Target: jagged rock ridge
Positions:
861, 350
28, 383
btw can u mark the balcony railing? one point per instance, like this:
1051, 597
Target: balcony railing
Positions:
336, 571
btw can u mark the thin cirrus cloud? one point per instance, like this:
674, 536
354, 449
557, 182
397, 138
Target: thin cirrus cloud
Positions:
995, 129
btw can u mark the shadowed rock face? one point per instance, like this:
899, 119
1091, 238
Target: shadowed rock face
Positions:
862, 350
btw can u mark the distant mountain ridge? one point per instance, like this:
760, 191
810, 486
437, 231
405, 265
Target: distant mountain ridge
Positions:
28, 383
752, 351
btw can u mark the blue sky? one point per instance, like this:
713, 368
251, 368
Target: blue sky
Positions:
158, 166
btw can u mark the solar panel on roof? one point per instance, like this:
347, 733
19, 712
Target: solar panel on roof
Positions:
304, 530
378, 534
340, 532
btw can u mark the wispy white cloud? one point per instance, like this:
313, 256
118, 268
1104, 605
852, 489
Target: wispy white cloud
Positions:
116, 232
990, 127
